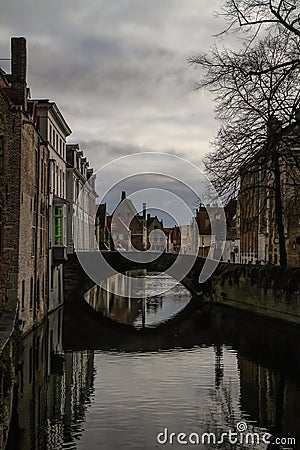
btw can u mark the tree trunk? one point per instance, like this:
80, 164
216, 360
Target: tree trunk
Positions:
279, 211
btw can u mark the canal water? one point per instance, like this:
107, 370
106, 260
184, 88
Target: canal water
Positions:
156, 372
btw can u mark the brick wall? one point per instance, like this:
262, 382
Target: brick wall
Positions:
23, 197
9, 200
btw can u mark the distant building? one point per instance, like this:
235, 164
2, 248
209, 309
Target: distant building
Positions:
231, 251
209, 237
24, 160
103, 237
259, 239
155, 234
54, 131
175, 238
81, 197
200, 232
127, 227
120, 233
186, 242
167, 231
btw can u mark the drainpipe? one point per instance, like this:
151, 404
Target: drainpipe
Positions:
36, 229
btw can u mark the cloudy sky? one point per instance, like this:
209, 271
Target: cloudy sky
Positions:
118, 71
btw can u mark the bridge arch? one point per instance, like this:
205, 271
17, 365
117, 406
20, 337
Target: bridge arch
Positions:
77, 282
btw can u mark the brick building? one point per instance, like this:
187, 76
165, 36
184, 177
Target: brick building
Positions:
128, 228
259, 241
24, 162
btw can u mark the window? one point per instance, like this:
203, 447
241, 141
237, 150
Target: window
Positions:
23, 295
31, 293
56, 187
58, 225
33, 241
53, 178
1, 155
30, 365
37, 295
41, 238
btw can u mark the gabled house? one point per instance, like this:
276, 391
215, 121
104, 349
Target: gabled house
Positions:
156, 236
127, 225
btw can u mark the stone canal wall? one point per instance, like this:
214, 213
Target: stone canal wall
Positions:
271, 291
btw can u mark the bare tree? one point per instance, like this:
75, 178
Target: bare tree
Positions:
257, 95
258, 13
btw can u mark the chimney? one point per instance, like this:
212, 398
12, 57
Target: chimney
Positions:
19, 71
123, 196
144, 210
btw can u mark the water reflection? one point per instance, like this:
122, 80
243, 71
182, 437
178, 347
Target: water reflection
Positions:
53, 391
219, 368
270, 397
139, 306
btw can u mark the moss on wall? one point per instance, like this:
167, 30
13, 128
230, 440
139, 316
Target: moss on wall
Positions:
268, 277
272, 291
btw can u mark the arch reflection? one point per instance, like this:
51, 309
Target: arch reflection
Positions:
138, 306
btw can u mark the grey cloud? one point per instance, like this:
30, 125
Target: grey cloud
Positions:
118, 70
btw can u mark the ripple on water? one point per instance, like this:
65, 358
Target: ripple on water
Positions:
137, 395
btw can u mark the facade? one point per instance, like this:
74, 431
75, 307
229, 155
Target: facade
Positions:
167, 231
198, 238
186, 242
257, 220
200, 232
127, 227
175, 239
81, 197
38, 192
120, 233
156, 237
231, 251
54, 131
103, 238
126, 230
24, 161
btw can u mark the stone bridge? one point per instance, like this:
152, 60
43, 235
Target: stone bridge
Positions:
77, 282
